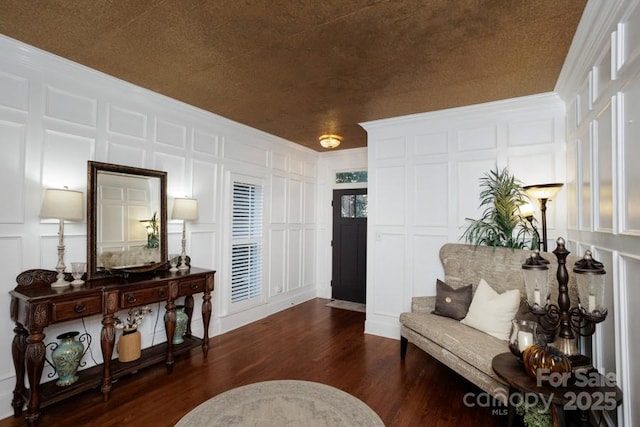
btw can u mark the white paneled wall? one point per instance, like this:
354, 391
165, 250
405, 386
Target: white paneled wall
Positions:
56, 115
423, 184
600, 84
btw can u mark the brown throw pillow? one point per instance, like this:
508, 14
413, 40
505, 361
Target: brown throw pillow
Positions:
452, 302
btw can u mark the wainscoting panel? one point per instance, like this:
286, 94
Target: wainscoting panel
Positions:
389, 273
72, 108
278, 202
310, 207
531, 132
245, 153
572, 184
178, 185
603, 180
125, 154
12, 170
205, 142
630, 344
389, 148
430, 144
169, 133
296, 166
309, 242
584, 183
64, 159
480, 138
14, 91
294, 190
431, 194
426, 264
125, 122
279, 162
204, 184
630, 153
602, 74
277, 260
390, 187
294, 252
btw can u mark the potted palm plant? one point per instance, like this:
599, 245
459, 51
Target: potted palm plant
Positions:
501, 223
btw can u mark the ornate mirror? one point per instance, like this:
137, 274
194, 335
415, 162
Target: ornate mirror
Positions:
126, 219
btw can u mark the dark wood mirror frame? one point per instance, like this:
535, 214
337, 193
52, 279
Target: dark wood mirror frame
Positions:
93, 169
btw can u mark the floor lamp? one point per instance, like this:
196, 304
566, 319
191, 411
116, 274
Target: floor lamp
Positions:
63, 205
185, 209
544, 193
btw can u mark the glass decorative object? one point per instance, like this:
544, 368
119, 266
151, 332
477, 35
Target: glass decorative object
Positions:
536, 281
77, 271
590, 276
523, 334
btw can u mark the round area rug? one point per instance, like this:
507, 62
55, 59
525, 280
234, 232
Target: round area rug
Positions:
284, 403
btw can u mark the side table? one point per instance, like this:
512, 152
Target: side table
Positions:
589, 391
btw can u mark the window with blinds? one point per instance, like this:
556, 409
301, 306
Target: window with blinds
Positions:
246, 247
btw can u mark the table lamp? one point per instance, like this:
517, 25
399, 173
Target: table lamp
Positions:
63, 205
185, 209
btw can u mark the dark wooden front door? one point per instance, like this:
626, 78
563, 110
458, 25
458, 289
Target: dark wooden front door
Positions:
349, 278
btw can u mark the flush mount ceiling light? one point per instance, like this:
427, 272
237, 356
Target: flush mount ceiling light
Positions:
330, 141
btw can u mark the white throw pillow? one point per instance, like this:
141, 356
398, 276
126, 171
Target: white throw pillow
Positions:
491, 312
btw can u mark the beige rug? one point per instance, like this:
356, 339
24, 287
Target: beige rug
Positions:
282, 403
348, 305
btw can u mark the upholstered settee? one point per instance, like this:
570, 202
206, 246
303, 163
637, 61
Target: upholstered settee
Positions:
466, 350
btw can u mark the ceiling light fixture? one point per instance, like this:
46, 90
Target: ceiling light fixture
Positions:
330, 141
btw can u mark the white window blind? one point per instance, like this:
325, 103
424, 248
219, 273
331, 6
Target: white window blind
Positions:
246, 234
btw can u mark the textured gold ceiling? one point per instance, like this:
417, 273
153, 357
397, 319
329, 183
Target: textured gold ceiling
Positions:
298, 69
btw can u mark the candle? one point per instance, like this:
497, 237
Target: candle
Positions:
592, 303
536, 296
525, 339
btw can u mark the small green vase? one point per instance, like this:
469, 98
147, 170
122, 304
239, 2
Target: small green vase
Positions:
66, 358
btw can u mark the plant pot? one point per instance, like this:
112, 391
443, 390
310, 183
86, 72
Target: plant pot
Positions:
129, 346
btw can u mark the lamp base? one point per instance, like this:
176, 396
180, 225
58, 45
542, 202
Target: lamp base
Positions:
60, 283
566, 345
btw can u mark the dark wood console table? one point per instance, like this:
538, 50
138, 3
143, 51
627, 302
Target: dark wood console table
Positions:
586, 393
35, 305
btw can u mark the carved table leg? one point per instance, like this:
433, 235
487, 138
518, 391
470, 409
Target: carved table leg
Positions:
170, 323
107, 340
34, 359
206, 314
188, 309
18, 349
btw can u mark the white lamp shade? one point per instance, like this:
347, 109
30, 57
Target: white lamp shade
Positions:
542, 191
526, 210
184, 208
62, 204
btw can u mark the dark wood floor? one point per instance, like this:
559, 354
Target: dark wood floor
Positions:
306, 342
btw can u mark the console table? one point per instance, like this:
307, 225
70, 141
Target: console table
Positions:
35, 305
595, 393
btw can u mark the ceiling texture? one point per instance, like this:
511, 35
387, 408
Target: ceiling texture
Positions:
301, 68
